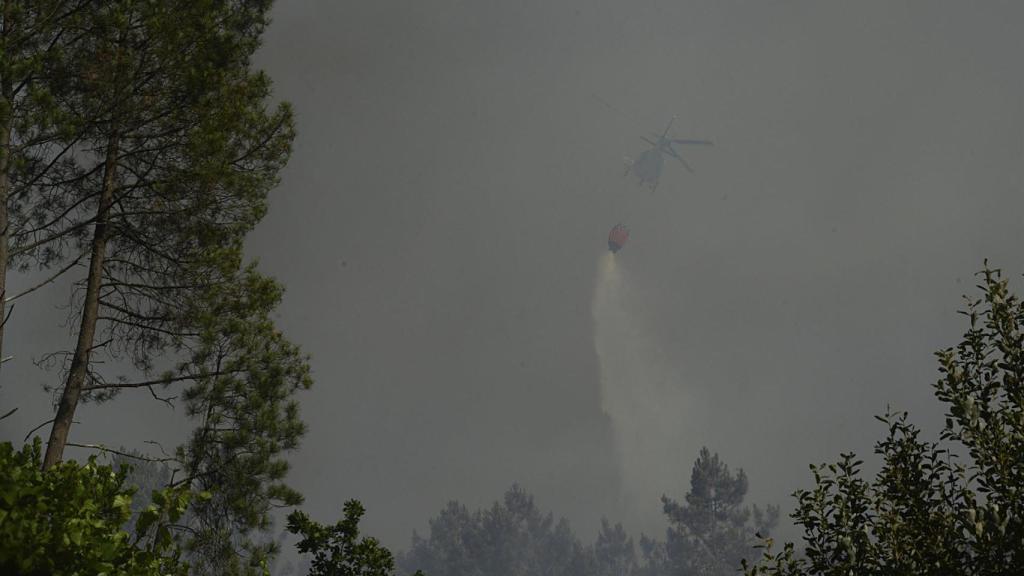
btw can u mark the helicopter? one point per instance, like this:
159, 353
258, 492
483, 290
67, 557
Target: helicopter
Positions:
647, 167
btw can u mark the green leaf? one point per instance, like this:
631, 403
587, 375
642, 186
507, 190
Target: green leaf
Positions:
146, 519
123, 503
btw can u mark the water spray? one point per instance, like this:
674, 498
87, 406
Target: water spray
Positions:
654, 425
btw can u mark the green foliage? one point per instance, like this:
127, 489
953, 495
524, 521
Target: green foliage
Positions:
68, 519
452, 546
32, 43
175, 129
245, 374
713, 531
512, 537
614, 553
928, 511
168, 148
143, 475
137, 148
654, 557
708, 535
338, 550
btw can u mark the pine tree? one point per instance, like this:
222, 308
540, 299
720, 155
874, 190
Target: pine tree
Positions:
512, 537
173, 152
173, 170
34, 42
450, 547
614, 553
245, 374
713, 531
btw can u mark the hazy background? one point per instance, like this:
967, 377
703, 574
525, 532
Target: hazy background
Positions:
457, 169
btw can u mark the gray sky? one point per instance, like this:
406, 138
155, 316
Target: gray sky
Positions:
456, 172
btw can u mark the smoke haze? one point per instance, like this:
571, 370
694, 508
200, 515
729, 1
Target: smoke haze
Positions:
656, 412
458, 167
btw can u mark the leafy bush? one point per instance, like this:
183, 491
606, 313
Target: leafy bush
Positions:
950, 507
68, 519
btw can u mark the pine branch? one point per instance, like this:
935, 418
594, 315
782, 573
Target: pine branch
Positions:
58, 274
141, 326
51, 238
160, 381
103, 448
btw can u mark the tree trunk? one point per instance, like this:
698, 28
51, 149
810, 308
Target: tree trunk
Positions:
90, 313
6, 93
5, 155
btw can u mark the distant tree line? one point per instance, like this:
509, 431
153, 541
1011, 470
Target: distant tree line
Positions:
709, 532
951, 506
